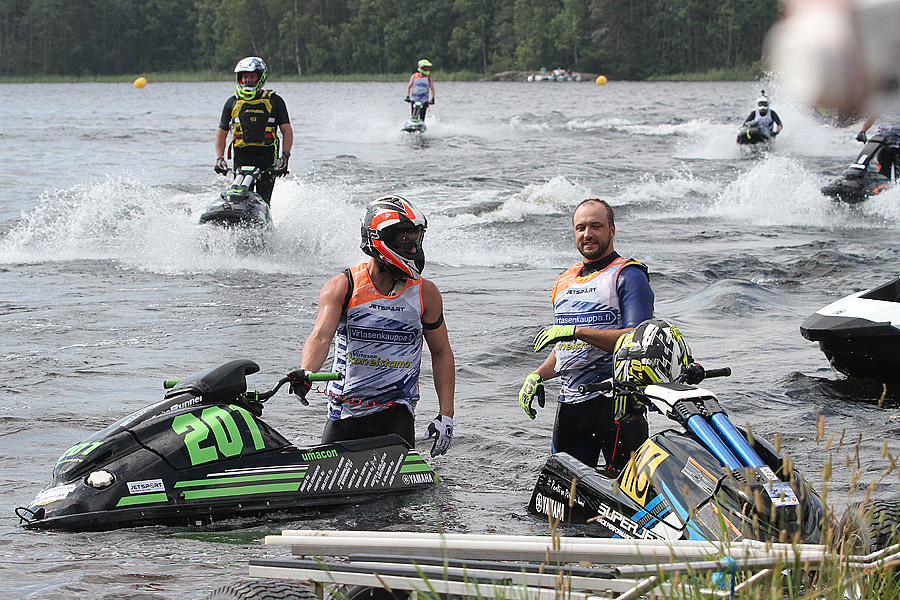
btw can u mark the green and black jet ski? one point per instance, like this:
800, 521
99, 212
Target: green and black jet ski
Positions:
203, 454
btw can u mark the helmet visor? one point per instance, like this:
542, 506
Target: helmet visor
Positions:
407, 241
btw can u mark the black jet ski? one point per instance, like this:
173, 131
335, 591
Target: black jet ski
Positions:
705, 480
239, 205
861, 179
860, 334
753, 133
203, 453
416, 122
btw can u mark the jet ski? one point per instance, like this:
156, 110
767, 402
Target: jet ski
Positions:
238, 205
705, 480
203, 453
416, 122
753, 133
860, 333
861, 179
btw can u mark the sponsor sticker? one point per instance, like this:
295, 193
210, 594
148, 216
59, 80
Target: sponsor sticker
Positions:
635, 480
53, 494
379, 335
146, 487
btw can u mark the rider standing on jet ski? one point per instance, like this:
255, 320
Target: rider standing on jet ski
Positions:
254, 115
889, 155
595, 302
381, 310
765, 116
420, 87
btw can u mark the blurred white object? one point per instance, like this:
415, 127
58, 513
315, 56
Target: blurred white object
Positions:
839, 54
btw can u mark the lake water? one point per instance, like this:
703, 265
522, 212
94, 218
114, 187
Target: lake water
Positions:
110, 286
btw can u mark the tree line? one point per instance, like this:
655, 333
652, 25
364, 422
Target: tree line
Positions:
626, 39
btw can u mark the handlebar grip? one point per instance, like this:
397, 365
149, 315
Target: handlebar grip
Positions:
603, 386
168, 384
323, 376
723, 372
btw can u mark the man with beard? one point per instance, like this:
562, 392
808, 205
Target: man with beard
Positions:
594, 303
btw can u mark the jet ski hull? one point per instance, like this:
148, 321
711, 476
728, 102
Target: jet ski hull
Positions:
203, 454
753, 134
858, 181
249, 211
860, 334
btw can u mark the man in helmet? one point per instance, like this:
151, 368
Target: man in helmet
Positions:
420, 89
254, 116
767, 117
594, 302
381, 310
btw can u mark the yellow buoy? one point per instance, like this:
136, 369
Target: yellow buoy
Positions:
601, 80
140, 82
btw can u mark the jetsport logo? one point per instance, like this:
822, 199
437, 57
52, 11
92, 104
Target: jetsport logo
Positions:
366, 334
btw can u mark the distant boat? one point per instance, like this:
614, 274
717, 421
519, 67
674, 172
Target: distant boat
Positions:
549, 76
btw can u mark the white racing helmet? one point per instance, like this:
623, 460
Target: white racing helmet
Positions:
249, 65
652, 352
384, 219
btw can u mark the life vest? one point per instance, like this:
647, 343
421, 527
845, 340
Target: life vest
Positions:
253, 121
378, 349
765, 120
420, 89
589, 301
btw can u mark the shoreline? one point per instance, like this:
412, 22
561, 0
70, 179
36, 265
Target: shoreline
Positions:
753, 73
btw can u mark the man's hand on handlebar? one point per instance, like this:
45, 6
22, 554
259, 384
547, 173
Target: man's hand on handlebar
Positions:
221, 166
299, 380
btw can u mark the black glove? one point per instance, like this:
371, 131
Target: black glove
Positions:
407, 99
281, 166
861, 137
431, 101
299, 384
221, 166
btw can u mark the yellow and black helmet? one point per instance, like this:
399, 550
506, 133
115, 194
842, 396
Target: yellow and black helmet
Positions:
652, 352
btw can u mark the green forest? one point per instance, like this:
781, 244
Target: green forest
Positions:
625, 39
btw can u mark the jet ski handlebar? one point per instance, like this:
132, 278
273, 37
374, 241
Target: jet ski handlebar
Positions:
694, 374
309, 377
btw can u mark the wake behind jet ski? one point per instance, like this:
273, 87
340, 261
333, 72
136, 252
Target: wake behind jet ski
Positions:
203, 453
863, 178
860, 333
704, 480
239, 205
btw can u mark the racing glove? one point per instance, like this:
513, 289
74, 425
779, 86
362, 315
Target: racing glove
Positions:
299, 384
407, 99
431, 101
281, 165
554, 333
531, 389
442, 426
221, 166
861, 137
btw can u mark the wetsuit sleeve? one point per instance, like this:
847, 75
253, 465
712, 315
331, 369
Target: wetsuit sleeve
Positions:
635, 296
225, 119
775, 118
280, 109
750, 116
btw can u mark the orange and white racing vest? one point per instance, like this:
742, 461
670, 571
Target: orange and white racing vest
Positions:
378, 349
589, 301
